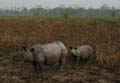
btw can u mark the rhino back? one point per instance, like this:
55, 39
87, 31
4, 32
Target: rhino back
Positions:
52, 52
84, 51
37, 47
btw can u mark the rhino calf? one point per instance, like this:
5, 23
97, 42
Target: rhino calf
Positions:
83, 53
48, 54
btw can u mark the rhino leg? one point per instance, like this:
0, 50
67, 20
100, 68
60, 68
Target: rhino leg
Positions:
60, 67
78, 60
41, 67
61, 63
74, 59
92, 59
34, 63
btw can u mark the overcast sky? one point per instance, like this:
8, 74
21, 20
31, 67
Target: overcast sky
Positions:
53, 3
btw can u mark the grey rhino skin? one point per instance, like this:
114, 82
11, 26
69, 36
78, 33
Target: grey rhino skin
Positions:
28, 55
83, 53
48, 54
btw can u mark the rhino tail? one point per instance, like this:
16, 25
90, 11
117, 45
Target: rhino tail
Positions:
63, 54
63, 48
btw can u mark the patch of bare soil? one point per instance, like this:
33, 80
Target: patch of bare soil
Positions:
16, 71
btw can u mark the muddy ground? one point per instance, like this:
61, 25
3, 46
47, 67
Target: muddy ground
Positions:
18, 71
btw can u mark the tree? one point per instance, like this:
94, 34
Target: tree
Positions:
105, 7
113, 12
65, 15
67, 12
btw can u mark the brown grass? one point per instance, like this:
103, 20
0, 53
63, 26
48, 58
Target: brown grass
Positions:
14, 33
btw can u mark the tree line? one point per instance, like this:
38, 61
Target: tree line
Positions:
66, 12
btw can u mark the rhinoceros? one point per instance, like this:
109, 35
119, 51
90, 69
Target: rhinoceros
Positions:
83, 53
47, 54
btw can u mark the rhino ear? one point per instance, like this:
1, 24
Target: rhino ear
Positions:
70, 47
32, 49
75, 47
25, 48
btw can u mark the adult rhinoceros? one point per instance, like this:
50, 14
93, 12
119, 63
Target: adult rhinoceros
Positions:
45, 54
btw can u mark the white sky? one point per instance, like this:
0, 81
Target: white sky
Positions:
53, 3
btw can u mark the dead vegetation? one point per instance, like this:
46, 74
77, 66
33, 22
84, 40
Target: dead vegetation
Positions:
16, 32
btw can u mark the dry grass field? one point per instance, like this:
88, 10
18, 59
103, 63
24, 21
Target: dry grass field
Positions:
19, 31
